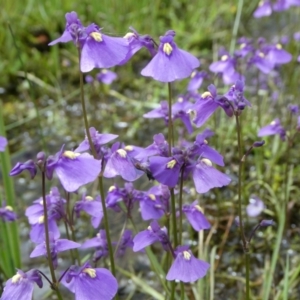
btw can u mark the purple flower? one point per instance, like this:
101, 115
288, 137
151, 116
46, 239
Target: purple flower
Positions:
125, 242
90, 283
206, 177
278, 56
21, 285
98, 241
56, 246
298, 124
136, 42
186, 267
195, 216
273, 128
121, 163
236, 94
73, 169
37, 233
3, 143
92, 207
264, 9
7, 213
98, 140
196, 80
170, 63
106, 76
293, 108
255, 206
260, 61
151, 235
20, 167
101, 51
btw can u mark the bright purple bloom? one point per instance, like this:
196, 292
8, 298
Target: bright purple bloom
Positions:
7, 213
186, 267
273, 128
195, 216
136, 42
151, 235
255, 206
37, 233
294, 108
21, 285
3, 143
246, 47
99, 241
236, 94
90, 283
264, 9
170, 63
121, 163
206, 105
265, 223
106, 76
20, 167
278, 56
92, 207
297, 36
196, 80
56, 246
260, 61
206, 177
73, 169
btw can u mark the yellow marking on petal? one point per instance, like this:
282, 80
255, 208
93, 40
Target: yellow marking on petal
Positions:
260, 54
89, 198
278, 46
205, 142
97, 36
180, 99
171, 164
167, 48
16, 278
70, 154
224, 57
199, 208
122, 153
98, 235
193, 74
8, 207
41, 219
152, 197
128, 35
128, 148
206, 161
242, 46
273, 123
206, 95
112, 188
104, 71
187, 255
91, 272
261, 3
149, 228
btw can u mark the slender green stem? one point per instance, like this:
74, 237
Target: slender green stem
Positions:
241, 223
180, 206
181, 291
106, 226
50, 263
236, 25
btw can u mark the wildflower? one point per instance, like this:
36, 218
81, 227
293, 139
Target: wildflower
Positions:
21, 285
277, 55
20, 167
195, 216
98, 241
196, 80
273, 128
170, 63
260, 61
294, 109
255, 206
264, 9
101, 51
125, 242
90, 283
151, 235
236, 95
3, 143
92, 207
106, 76
56, 245
7, 213
73, 169
186, 267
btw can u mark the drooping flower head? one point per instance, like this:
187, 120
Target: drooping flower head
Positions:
273, 128
90, 283
170, 63
186, 267
21, 285
7, 213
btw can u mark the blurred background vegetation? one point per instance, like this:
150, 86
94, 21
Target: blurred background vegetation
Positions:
44, 112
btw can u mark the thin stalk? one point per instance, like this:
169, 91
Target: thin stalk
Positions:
180, 206
50, 263
236, 25
92, 147
241, 224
